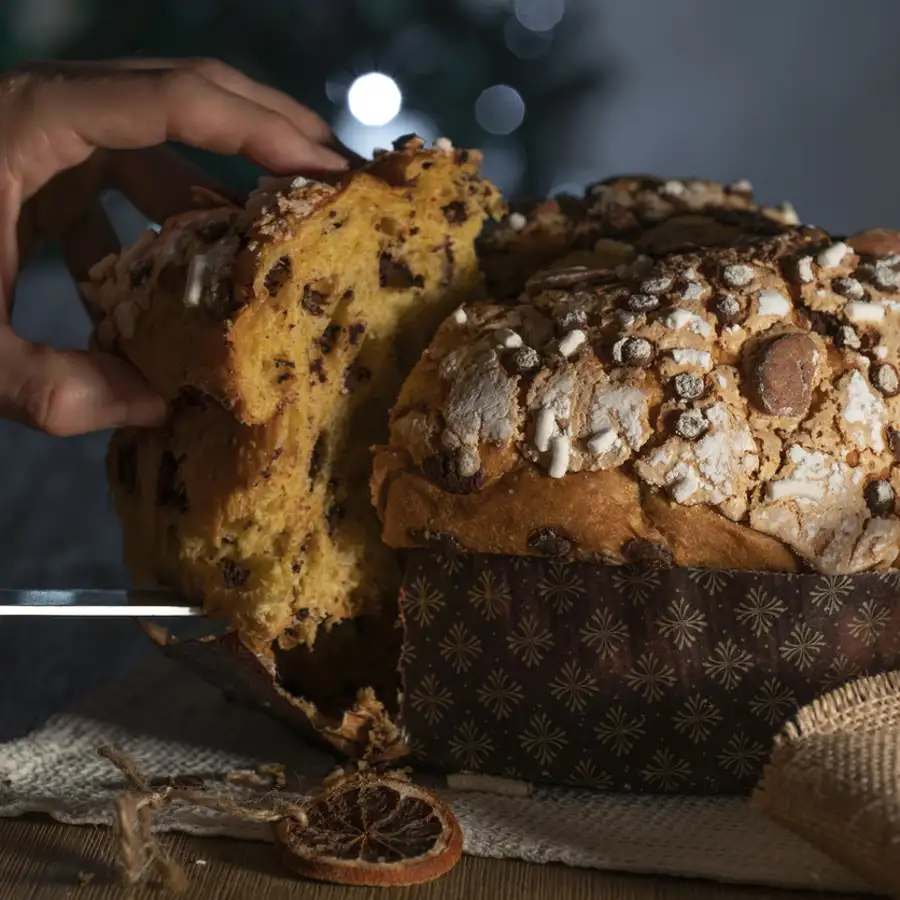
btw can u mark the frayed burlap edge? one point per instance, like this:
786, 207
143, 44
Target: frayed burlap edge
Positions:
834, 778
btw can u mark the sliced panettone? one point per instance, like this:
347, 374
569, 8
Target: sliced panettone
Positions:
281, 359
230, 301
728, 406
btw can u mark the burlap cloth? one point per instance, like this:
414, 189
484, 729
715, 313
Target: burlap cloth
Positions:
173, 724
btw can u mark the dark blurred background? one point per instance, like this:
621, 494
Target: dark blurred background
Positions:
799, 97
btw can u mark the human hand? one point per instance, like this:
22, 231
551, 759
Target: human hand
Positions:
71, 130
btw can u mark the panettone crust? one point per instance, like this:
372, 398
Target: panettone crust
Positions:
729, 401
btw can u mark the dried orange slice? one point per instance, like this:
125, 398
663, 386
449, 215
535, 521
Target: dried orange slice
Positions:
375, 830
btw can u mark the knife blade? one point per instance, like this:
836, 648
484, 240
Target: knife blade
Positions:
139, 604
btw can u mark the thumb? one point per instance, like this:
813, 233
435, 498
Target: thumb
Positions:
68, 392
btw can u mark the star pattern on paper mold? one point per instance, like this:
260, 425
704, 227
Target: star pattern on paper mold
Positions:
620, 731
869, 622
460, 648
665, 770
490, 595
422, 602
500, 694
697, 718
542, 739
831, 592
681, 624
773, 702
560, 588
470, 745
760, 611
530, 641
727, 663
573, 687
635, 584
431, 699
604, 633
803, 646
650, 676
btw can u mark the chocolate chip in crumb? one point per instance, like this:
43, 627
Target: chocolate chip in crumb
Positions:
317, 372
634, 351
884, 377
781, 377
355, 332
312, 301
648, 554
234, 573
283, 364
642, 303
691, 424
277, 275
442, 469
393, 273
728, 310
551, 541
455, 212
879, 497
689, 386
328, 339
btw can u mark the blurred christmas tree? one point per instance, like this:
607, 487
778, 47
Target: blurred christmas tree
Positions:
496, 74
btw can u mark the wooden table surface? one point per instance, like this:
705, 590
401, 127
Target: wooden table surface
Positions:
42, 860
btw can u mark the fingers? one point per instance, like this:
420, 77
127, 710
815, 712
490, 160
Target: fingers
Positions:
56, 123
72, 392
160, 183
237, 82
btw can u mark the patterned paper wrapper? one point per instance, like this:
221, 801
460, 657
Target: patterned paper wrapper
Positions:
626, 679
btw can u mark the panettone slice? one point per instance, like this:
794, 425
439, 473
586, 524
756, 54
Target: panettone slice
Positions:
232, 301
281, 360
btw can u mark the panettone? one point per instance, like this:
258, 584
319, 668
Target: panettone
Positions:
280, 333
714, 393
625, 208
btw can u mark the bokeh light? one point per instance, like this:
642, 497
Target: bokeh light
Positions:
524, 43
540, 15
500, 109
374, 99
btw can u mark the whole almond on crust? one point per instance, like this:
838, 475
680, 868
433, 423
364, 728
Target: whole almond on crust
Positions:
375, 830
781, 377
876, 241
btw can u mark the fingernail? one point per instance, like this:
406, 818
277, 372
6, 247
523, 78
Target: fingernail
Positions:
330, 158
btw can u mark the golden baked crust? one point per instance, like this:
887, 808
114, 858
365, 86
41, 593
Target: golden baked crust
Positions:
734, 405
253, 498
624, 208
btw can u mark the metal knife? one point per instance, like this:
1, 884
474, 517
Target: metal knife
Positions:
139, 604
